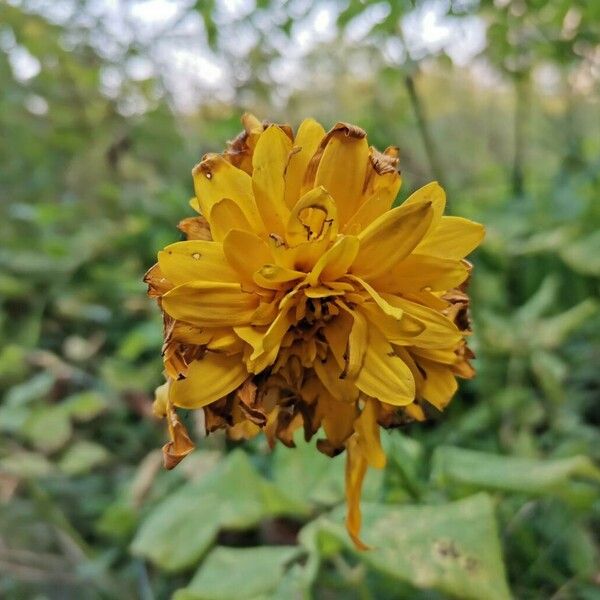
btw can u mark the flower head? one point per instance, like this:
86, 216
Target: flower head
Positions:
302, 299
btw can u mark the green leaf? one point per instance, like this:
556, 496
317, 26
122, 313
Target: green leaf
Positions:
85, 406
239, 573
83, 456
25, 465
309, 477
181, 529
48, 429
584, 256
453, 548
467, 470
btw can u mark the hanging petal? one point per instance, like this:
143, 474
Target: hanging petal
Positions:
356, 468
367, 431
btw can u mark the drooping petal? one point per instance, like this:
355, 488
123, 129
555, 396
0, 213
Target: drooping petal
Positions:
307, 140
215, 179
210, 304
453, 237
356, 468
342, 167
384, 375
180, 444
367, 431
208, 379
391, 238
269, 162
195, 259
418, 272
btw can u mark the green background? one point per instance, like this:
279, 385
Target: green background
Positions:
498, 498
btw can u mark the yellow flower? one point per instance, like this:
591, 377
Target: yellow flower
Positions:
302, 299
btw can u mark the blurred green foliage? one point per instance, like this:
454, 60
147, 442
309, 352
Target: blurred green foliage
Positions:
498, 498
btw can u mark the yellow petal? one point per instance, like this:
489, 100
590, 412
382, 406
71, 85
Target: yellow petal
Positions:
337, 333
215, 179
226, 215
246, 253
336, 261
439, 332
397, 331
357, 344
390, 238
454, 237
338, 418
356, 467
367, 431
417, 273
432, 192
342, 168
195, 259
384, 305
373, 207
307, 140
314, 217
439, 385
210, 304
329, 372
269, 162
209, 379
274, 277
445, 356
384, 375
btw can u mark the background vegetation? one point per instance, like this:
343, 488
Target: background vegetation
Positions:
105, 108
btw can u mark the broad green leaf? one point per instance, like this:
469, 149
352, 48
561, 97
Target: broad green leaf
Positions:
241, 573
233, 495
83, 456
461, 469
452, 548
48, 428
583, 256
85, 405
309, 477
25, 464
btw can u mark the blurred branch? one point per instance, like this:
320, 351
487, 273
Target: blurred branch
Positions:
522, 103
423, 125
